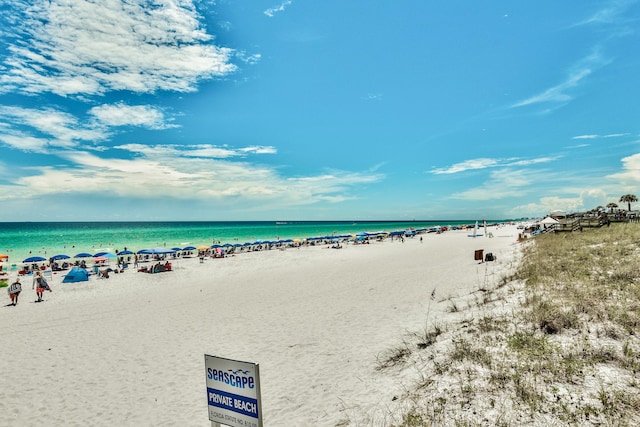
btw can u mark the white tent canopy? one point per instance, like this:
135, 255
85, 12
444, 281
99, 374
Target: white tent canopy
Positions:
549, 220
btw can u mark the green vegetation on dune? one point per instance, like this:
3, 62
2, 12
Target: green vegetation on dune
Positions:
555, 343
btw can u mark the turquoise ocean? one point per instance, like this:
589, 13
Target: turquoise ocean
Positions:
21, 240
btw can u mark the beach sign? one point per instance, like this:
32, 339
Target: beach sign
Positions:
233, 392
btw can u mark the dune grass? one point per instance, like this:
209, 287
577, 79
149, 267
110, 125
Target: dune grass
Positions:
553, 343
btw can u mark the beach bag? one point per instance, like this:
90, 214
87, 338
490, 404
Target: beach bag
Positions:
44, 284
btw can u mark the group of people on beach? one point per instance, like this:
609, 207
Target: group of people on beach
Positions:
40, 285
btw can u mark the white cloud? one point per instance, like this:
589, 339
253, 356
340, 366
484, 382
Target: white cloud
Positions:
560, 93
610, 14
200, 150
585, 199
273, 10
557, 93
249, 59
466, 165
630, 174
77, 47
596, 136
501, 184
158, 174
484, 163
57, 129
133, 115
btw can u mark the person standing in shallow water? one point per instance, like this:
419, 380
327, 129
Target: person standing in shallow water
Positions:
38, 284
14, 291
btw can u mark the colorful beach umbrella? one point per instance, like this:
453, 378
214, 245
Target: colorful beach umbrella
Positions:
99, 259
3, 256
35, 259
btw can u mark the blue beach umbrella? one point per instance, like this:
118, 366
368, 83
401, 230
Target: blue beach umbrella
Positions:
35, 259
156, 251
105, 254
125, 253
59, 256
189, 248
176, 249
84, 255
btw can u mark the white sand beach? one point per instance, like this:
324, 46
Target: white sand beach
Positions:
129, 350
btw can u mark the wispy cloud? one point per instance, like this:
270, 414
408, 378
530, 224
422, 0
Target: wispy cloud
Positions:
501, 184
611, 13
557, 93
121, 114
76, 47
484, 163
373, 97
194, 173
595, 136
273, 10
168, 152
36, 130
562, 92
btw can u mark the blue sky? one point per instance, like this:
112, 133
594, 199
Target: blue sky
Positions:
316, 109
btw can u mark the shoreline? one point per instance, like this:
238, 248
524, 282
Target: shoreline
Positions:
49, 243
129, 349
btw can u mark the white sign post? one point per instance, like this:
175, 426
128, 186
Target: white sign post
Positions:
233, 392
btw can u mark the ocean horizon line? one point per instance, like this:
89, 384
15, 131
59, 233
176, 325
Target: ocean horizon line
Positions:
278, 221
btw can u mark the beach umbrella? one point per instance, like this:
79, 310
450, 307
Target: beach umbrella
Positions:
125, 253
156, 251
105, 254
3, 256
59, 256
83, 255
203, 247
216, 246
189, 248
35, 259
176, 249
99, 259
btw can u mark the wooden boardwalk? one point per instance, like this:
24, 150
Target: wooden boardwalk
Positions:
580, 223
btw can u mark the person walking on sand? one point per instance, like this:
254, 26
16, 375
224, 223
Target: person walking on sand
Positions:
14, 290
38, 284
